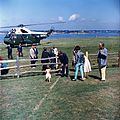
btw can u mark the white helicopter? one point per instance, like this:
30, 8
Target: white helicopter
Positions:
21, 34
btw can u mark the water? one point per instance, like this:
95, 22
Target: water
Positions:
2, 37
89, 35
61, 36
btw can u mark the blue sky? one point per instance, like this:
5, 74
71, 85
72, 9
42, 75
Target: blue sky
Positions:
78, 14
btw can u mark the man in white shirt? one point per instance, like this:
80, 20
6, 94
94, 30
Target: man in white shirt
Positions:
33, 56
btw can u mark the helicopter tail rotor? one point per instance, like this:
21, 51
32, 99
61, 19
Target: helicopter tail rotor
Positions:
50, 31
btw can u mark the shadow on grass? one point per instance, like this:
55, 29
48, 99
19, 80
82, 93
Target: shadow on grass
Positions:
94, 77
72, 69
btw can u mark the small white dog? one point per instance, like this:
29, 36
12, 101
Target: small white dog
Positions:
48, 75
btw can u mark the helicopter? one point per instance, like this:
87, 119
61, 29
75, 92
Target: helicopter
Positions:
20, 34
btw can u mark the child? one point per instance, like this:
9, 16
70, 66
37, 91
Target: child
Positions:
79, 63
87, 66
3, 65
48, 75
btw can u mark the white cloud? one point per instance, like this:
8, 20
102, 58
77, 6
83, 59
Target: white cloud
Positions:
60, 19
74, 17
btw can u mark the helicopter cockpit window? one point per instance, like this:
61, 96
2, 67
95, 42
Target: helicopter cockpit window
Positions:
23, 31
13, 30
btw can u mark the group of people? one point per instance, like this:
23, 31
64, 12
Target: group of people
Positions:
46, 58
80, 61
19, 51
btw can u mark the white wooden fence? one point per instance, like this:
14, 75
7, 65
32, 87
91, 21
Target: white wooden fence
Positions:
113, 58
17, 66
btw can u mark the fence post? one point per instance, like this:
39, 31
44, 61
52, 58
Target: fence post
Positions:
18, 67
119, 59
87, 54
56, 62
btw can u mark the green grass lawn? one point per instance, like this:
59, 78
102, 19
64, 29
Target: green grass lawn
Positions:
68, 100
67, 45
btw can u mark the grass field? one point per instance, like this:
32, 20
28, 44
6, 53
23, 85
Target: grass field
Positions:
31, 98
67, 45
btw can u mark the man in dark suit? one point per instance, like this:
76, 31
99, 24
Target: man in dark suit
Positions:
45, 54
19, 49
9, 52
64, 61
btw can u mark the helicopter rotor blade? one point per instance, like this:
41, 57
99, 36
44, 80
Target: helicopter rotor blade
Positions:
44, 23
9, 26
22, 25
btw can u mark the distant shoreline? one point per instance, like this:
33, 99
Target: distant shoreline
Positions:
74, 31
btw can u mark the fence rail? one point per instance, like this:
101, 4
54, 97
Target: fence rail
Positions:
26, 64
112, 59
22, 66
